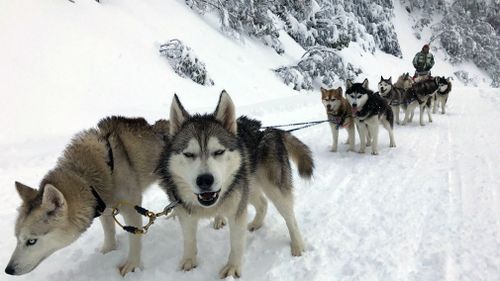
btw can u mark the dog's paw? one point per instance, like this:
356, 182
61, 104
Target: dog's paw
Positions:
374, 152
297, 249
351, 149
422, 124
230, 270
253, 226
108, 247
333, 149
188, 263
392, 145
129, 266
219, 222
361, 151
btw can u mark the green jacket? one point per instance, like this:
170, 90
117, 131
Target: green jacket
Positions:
423, 62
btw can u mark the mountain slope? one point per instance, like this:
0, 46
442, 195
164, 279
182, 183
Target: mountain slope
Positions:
426, 210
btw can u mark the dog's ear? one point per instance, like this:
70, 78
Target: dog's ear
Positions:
381, 78
225, 112
348, 83
52, 199
177, 115
323, 90
390, 80
25, 192
365, 83
339, 89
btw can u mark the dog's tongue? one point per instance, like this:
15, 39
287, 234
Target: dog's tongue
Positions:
355, 110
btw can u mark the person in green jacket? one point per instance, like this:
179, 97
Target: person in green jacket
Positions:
423, 62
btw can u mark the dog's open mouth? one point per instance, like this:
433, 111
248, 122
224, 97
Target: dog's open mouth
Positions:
208, 198
354, 109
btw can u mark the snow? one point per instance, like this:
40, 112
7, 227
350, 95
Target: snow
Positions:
426, 210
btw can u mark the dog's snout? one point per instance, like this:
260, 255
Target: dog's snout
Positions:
10, 270
354, 104
205, 181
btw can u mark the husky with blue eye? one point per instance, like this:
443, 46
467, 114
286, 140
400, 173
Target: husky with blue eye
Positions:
215, 164
369, 110
100, 167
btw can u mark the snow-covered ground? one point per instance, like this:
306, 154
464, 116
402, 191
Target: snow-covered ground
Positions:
428, 209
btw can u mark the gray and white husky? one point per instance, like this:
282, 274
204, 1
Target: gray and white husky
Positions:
420, 94
215, 164
392, 94
442, 93
114, 162
369, 110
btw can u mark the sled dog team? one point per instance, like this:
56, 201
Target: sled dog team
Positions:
363, 109
212, 165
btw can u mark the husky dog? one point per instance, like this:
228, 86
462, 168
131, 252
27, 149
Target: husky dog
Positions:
116, 161
214, 164
369, 110
404, 82
420, 94
441, 95
339, 113
391, 94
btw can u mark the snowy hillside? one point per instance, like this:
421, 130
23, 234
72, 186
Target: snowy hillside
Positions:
427, 210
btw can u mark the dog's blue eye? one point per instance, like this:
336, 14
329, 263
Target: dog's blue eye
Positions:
219, 152
31, 242
188, 154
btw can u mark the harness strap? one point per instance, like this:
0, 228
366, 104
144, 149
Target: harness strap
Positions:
101, 206
111, 160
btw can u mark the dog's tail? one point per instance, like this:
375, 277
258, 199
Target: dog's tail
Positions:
300, 154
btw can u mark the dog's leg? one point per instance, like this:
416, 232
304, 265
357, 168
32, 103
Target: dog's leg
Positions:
335, 137
134, 253
373, 125
189, 225
237, 231
362, 136
259, 202
429, 115
407, 114
369, 137
387, 126
282, 198
412, 113
443, 105
219, 222
422, 109
395, 111
108, 226
351, 137
436, 104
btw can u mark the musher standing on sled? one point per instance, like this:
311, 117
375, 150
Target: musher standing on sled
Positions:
423, 62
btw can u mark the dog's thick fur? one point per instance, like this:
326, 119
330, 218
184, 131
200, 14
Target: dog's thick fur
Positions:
369, 110
391, 94
215, 164
419, 94
117, 160
339, 114
441, 95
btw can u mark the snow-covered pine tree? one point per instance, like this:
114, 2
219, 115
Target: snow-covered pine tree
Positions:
185, 62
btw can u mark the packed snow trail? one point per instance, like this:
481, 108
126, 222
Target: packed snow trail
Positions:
425, 210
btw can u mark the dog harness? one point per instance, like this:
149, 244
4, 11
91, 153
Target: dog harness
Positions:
101, 206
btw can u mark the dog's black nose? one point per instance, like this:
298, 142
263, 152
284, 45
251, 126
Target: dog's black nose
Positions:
205, 181
354, 104
9, 270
